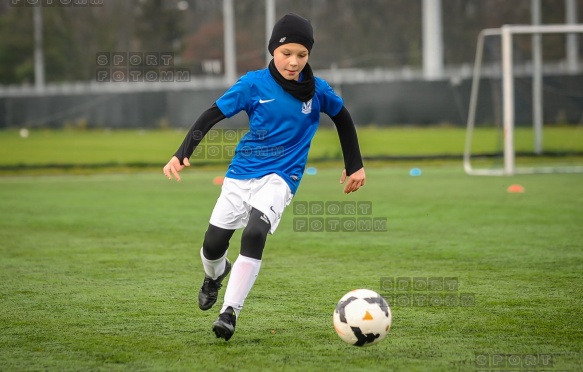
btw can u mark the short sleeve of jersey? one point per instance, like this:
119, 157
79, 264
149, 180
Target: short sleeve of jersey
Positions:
330, 102
236, 98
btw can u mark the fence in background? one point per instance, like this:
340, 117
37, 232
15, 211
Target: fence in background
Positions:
377, 97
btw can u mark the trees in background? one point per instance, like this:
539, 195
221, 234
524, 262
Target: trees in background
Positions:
349, 33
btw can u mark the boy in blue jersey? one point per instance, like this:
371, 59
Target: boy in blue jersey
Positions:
283, 102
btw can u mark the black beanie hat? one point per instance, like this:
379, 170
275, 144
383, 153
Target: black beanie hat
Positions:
291, 28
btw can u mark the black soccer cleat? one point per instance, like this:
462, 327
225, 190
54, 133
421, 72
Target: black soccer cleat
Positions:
224, 326
207, 296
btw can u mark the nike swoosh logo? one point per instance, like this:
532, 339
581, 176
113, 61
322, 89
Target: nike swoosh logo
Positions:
266, 100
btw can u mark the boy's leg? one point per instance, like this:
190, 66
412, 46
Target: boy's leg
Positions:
245, 271
214, 250
227, 216
216, 266
269, 196
246, 267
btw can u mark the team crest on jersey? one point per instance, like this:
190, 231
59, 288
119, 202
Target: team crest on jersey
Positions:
307, 107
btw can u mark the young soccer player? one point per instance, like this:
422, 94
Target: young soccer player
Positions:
283, 102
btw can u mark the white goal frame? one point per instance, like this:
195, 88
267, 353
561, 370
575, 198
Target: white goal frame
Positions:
506, 32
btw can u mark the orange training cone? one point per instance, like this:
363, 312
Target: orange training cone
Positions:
515, 188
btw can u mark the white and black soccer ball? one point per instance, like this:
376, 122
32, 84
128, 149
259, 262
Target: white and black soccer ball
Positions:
362, 317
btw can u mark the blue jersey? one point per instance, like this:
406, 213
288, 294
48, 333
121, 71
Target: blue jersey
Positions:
281, 127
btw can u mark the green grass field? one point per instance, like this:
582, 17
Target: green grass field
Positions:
147, 148
100, 270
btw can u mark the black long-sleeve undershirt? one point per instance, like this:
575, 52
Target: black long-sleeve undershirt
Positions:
348, 141
199, 129
343, 122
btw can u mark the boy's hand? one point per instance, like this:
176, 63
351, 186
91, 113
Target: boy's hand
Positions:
355, 180
173, 167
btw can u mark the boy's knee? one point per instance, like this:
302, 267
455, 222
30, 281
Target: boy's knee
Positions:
216, 242
254, 235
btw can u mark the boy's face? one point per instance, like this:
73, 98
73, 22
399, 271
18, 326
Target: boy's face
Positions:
290, 59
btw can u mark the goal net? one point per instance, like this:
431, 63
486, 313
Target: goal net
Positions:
536, 107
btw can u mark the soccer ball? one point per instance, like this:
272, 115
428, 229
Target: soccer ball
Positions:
362, 317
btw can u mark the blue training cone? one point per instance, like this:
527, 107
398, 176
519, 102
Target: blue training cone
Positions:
415, 172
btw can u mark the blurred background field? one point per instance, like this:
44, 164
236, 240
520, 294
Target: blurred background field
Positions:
394, 62
407, 80
146, 148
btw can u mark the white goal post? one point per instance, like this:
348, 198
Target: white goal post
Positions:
506, 32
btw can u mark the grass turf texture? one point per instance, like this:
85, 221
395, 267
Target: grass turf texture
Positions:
101, 272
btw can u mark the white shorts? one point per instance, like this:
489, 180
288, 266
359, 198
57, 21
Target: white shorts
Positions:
269, 194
